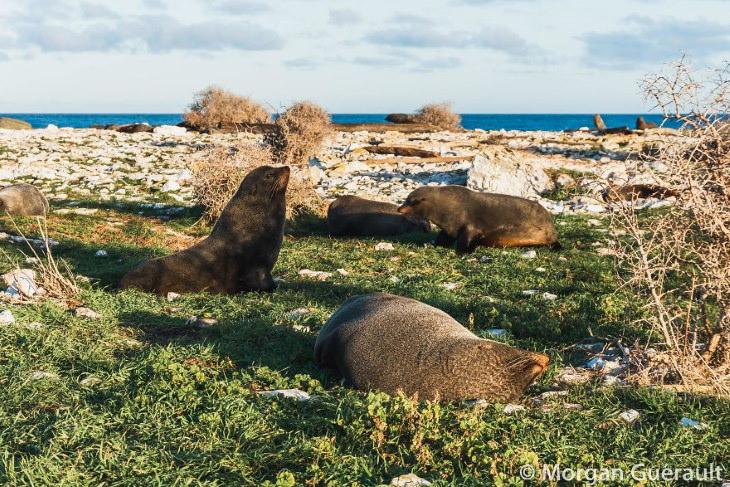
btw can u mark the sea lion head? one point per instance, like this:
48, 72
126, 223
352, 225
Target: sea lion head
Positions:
265, 181
418, 203
510, 370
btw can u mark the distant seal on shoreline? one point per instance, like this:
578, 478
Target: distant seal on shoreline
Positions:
631, 192
22, 199
240, 251
471, 218
390, 343
359, 217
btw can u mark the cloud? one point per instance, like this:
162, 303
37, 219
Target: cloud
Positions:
302, 63
242, 7
154, 33
494, 38
438, 63
4, 57
649, 42
344, 16
412, 19
91, 10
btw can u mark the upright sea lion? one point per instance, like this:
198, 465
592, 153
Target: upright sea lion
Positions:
239, 253
22, 199
631, 192
390, 343
471, 218
642, 124
358, 217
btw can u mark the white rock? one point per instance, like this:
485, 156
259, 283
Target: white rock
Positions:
450, 286
170, 185
384, 246
629, 416
499, 170
297, 394
513, 408
51, 127
541, 269
87, 313
530, 292
22, 280
170, 130
496, 332
343, 272
318, 275
596, 363
298, 313
6, 317
613, 381
101, 253
549, 296
409, 480
89, 381
394, 279
691, 423
530, 254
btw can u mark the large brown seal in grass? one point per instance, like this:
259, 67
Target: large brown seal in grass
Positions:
471, 218
358, 217
239, 253
390, 343
22, 199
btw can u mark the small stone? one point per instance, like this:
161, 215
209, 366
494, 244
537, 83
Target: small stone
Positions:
394, 279
629, 416
549, 296
409, 480
298, 313
513, 408
171, 296
86, 313
496, 332
171, 185
6, 317
297, 394
342, 272
476, 403
596, 363
318, 275
384, 246
530, 254
89, 381
611, 380
101, 253
40, 375
205, 322
22, 280
692, 423
450, 286
594, 223
530, 292
540, 269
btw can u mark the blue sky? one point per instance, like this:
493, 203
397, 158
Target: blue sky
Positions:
483, 56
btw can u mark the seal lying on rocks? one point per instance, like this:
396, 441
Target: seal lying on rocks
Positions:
239, 253
22, 199
471, 218
358, 217
390, 343
631, 192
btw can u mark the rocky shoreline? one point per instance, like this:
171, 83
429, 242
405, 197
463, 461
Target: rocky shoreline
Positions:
564, 171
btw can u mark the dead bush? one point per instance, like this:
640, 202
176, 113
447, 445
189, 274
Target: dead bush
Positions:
439, 115
677, 260
215, 107
299, 133
218, 173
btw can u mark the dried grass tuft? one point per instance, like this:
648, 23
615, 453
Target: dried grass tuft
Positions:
299, 133
439, 115
215, 107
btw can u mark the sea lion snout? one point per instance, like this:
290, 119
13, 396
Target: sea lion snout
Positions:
285, 172
405, 208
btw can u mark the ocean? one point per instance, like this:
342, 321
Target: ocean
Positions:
485, 121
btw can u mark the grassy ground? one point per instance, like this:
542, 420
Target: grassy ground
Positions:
142, 398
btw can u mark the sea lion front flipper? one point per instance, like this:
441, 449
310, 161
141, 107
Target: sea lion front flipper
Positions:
444, 240
465, 242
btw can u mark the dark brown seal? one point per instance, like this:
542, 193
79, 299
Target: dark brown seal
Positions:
239, 253
471, 218
22, 199
358, 217
631, 192
390, 343
642, 124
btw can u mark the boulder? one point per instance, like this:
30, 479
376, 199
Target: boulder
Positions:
500, 170
14, 124
170, 130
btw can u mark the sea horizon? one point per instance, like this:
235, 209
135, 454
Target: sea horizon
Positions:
470, 121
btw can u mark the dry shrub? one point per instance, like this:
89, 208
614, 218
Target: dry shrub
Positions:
54, 277
220, 169
439, 115
678, 260
299, 133
215, 107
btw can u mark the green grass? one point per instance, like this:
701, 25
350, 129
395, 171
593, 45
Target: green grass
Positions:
176, 405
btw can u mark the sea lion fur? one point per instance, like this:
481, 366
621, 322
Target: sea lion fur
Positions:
360, 217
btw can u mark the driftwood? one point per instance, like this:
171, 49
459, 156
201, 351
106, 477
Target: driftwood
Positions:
417, 160
400, 151
384, 127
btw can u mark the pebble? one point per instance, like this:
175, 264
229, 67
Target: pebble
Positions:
629, 416
496, 332
318, 275
450, 286
530, 254
342, 272
514, 408
86, 313
549, 296
409, 480
297, 394
384, 246
540, 269
6, 317
530, 292
171, 296
298, 313
90, 381
101, 253
40, 375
